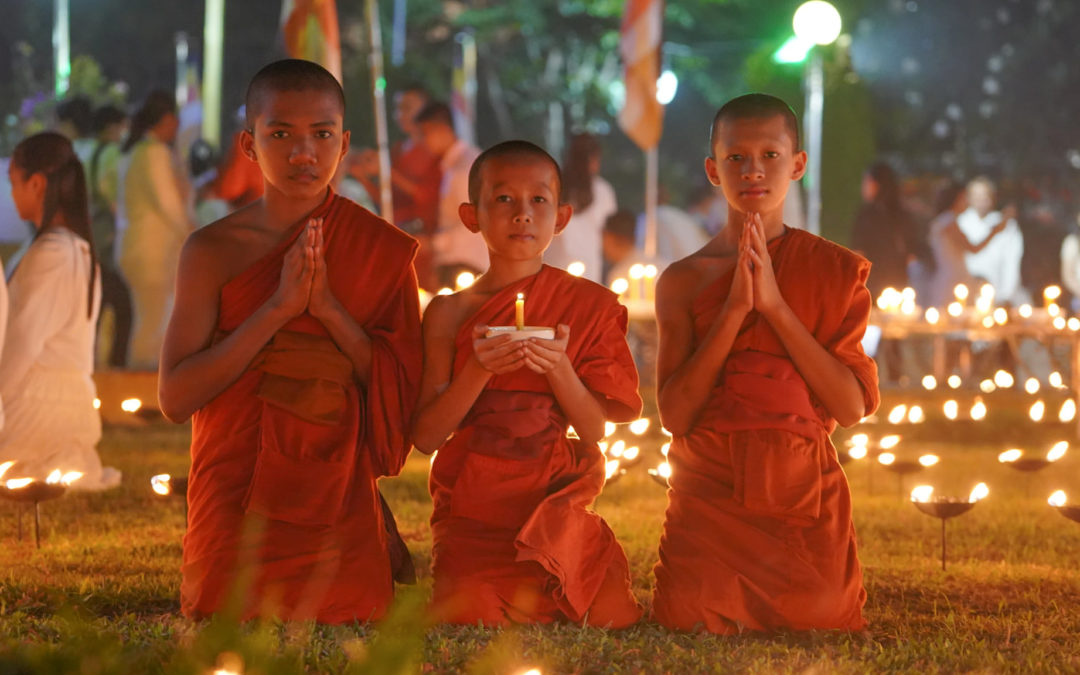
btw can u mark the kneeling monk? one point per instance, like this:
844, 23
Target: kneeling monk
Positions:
759, 359
295, 347
514, 538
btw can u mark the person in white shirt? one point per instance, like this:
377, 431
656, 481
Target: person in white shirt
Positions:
1070, 265
55, 292
159, 216
454, 247
999, 261
593, 200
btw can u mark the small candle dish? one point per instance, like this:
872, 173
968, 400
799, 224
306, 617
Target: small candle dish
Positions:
525, 333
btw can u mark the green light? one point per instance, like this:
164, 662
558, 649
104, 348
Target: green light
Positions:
795, 50
380, 84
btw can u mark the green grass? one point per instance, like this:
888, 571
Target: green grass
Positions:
101, 594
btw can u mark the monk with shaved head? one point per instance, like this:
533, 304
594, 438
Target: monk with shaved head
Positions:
294, 348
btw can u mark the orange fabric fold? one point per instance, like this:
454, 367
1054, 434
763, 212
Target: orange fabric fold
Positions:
514, 536
285, 518
758, 533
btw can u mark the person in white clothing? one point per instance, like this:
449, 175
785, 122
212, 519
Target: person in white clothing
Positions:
999, 261
593, 200
951, 246
1070, 265
47, 360
455, 249
159, 212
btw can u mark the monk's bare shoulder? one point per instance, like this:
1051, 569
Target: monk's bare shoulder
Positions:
446, 313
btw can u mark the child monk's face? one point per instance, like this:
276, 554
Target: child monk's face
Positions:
754, 161
518, 210
298, 141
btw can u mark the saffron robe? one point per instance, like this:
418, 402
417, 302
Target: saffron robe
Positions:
758, 533
514, 538
285, 518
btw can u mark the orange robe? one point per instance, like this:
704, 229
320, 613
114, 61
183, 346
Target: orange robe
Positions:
758, 533
284, 515
514, 538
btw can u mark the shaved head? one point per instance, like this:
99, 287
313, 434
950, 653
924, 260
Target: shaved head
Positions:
515, 151
289, 75
756, 106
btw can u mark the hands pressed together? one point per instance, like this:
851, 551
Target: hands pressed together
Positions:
303, 284
500, 354
754, 286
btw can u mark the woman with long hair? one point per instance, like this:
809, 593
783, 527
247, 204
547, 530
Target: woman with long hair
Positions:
159, 216
593, 200
951, 245
55, 293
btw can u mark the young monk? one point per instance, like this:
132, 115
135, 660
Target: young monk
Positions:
759, 360
514, 539
295, 348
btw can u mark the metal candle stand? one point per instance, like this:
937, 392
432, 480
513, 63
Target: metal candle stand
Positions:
33, 493
1028, 465
1070, 511
903, 467
171, 486
944, 508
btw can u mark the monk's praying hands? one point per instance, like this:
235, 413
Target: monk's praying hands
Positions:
767, 297
322, 300
294, 288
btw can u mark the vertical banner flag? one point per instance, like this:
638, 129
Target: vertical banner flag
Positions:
310, 31
639, 44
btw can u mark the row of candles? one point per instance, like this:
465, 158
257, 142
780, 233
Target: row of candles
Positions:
902, 413
903, 303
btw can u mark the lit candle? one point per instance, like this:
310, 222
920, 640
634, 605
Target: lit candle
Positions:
637, 276
650, 282
519, 311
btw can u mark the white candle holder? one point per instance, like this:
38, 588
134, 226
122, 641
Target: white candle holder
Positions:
540, 332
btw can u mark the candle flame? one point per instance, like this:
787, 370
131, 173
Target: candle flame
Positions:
620, 286
54, 477
988, 322
908, 307
929, 383
983, 304
1058, 499
667, 433
576, 268
1025, 311
651, 271
97, 404
16, 483
987, 386
986, 291
951, 409
5, 466
955, 309
1059, 323
1001, 317
631, 453
1073, 324
961, 292
1031, 386
665, 449
978, 411
637, 270
446, 291
664, 469
162, 486
1010, 455
1052, 292
922, 493
611, 467
857, 452
932, 315
70, 477
131, 405
980, 491
896, 415
520, 296
929, 460
1053, 310
860, 439
639, 426
886, 458
617, 448
915, 415
888, 442
1058, 451
571, 432
1055, 380
531, 671
954, 382
609, 428
603, 445
1004, 379
1038, 409
464, 280
1068, 410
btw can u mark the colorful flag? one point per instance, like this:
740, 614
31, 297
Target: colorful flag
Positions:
310, 31
642, 115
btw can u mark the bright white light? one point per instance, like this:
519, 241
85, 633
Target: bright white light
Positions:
16, 483
576, 268
631, 453
611, 467
667, 433
54, 477
1053, 310
978, 411
1010, 455
130, 405
637, 270
1055, 380
954, 382
922, 493
929, 460
466, 279
932, 315
666, 86
888, 442
817, 21
984, 304
446, 291
886, 458
1001, 317
1025, 311
951, 409
70, 477
988, 322
896, 415
620, 286
987, 386
609, 428
1052, 293
639, 426
955, 309
961, 292
915, 415
617, 448
1059, 322
97, 404
986, 291
5, 466
1038, 409
1058, 451
571, 432
1058, 499
665, 448
929, 383
857, 452
860, 439
980, 491
651, 271
664, 469
1073, 324
1031, 386
1068, 410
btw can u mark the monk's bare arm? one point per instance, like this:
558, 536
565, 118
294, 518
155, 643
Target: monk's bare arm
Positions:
584, 409
685, 376
444, 402
192, 371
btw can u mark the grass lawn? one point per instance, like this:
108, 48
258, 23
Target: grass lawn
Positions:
101, 596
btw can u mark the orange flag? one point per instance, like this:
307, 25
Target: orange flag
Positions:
642, 115
310, 30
